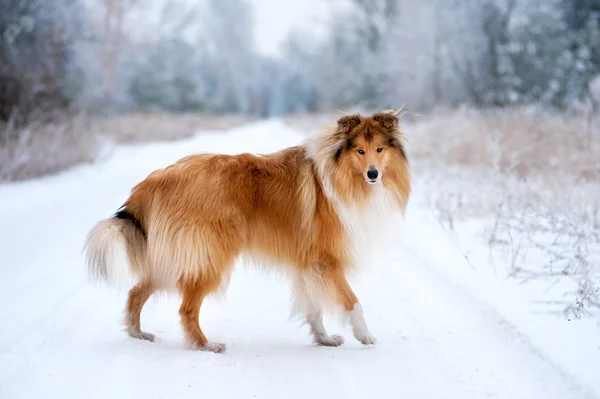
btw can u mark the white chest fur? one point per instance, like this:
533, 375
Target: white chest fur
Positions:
370, 226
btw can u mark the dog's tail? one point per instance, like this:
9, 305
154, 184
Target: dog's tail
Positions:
115, 249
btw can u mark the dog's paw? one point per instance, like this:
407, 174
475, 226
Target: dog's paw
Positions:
213, 347
140, 334
366, 339
330, 340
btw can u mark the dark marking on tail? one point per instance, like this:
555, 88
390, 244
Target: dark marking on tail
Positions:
124, 214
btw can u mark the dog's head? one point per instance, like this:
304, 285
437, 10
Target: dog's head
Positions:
370, 145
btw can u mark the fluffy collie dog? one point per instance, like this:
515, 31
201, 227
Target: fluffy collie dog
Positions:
308, 210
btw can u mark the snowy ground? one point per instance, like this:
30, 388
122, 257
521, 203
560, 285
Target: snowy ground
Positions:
444, 329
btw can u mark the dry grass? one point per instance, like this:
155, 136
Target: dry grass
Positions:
526, 142
144, 127
542, 158
308, 122
43, 149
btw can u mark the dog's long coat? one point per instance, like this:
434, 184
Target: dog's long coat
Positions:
306, 209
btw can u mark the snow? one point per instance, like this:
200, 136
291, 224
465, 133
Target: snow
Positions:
443, 328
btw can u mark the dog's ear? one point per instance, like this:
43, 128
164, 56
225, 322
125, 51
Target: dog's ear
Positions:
388, 120
347, 123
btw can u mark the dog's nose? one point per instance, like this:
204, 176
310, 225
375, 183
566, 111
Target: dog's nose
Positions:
372, 173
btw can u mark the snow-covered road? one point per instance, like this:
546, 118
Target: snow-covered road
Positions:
60, 336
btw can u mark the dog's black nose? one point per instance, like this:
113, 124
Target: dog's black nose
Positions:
372, 173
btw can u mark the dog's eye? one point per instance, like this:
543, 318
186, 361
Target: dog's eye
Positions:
379, 149
361, 152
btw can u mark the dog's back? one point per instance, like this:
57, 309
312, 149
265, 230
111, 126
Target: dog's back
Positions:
195, 217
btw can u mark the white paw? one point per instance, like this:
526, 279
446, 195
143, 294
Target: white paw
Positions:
359, 326
330, 340
140, 334
366, 338
214, 347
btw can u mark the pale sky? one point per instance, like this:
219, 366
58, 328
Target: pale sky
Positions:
274, 19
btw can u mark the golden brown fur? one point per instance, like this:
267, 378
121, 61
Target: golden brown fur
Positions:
302, 209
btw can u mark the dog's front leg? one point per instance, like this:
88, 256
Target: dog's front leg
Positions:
359, 326
346, 297
314, 318
306, 302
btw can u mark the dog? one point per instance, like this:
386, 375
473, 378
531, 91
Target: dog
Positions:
310, 211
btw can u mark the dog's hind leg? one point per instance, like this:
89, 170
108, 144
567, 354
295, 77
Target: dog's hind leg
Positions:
194, 292
211, 251
138, 295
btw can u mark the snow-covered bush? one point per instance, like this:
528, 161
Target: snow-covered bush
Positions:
556, 246
532, 177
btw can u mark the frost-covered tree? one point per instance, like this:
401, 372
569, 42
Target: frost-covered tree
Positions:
371, 23
167, 73
167, 78
416, 60
40, 66
520, 53
385, 53
534, 62
583, 22
228, 29
490, 53
300, 77
338, 65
